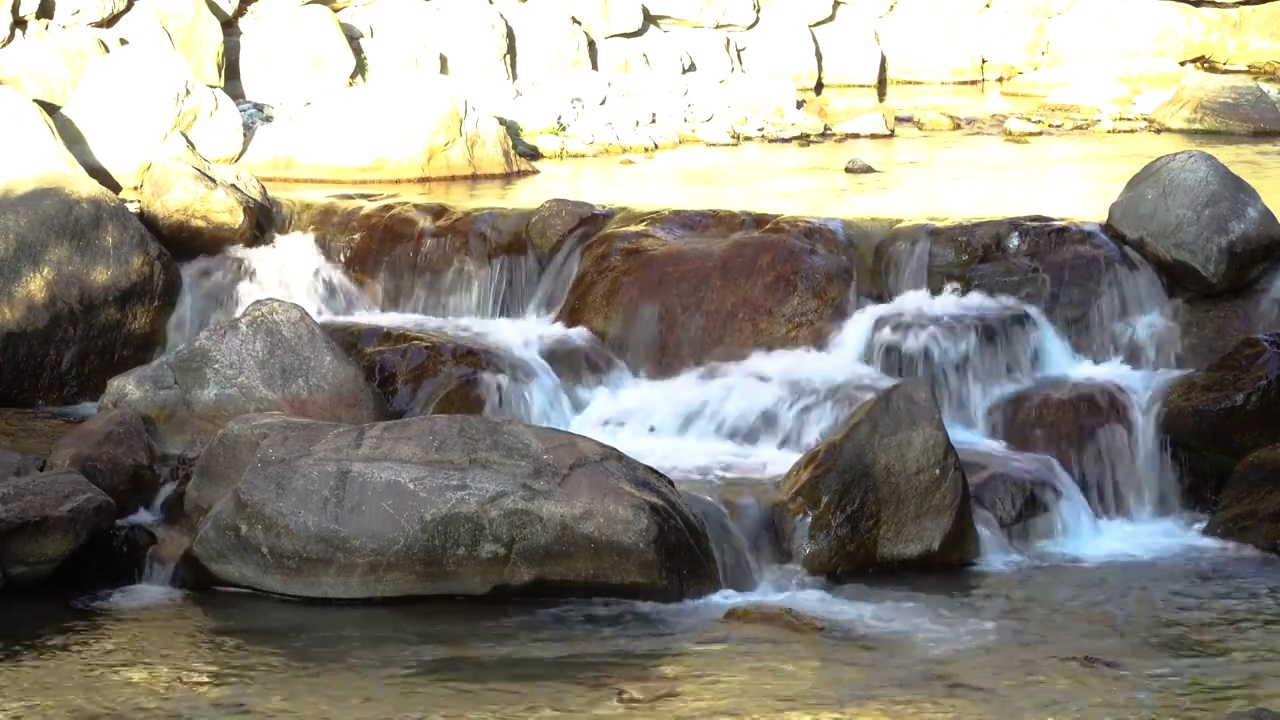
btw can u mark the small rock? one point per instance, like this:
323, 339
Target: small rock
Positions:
1017, 140
1017, 127
783, 618
936, 122
637, 695
858, 166
874, 124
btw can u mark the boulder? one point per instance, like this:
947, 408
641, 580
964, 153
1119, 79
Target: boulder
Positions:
1256, 37
879, 123
433, 134
421, 372
733, 557
292, 54
85, 290
197, 207
34, 149
546, 39
6, 21
1105, 29
1019, 490
781, 45
1088, 427
670, 290
114, 452
191, 27
44, 518
558, 222
884, 490
273, 358
48, 66
442, 505
926, 47
117, 147
608, 18
1249, 510
1011, 44
651, 50
1202, 226
850, 53
1218, 416
738, 14
776, 616
1220, 104
1140, 75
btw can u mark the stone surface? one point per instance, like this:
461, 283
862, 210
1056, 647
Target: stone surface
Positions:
851, 54
783, 618
443, 505
1097, 29
44, 518
1018, 489
733, 558
15, 464
273, 358
117, 147
48, 66
781, 45
1017, 127
1249, 510
858, 166
114, 452
671, 290
200, 208
884, 490
1202, 226
1220, 104
71, 13
32, 432
1218, 416
434, 134
924, 47
291, 54
193, 29
1088, 427
740, 14
34, 149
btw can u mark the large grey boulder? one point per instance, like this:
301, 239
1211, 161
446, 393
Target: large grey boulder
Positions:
885, 489
273, 358
1202, 226
44, 518
48, 66
438, 505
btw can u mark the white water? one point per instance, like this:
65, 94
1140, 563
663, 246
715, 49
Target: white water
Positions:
753, 418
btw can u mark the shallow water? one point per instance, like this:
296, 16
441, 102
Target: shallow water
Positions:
943, 176
1191, 636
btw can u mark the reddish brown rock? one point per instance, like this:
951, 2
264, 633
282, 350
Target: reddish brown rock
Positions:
1249, 511
113, 451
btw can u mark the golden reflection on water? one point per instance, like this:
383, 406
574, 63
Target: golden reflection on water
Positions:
940, 176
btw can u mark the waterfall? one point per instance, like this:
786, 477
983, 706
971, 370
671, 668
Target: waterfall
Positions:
754, 417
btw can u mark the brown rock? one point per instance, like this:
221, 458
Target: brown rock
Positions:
1016, 488
670, 290
1249, 511
885, 489
1088, 427
44, 518
1219, 104
113, 451
784, 618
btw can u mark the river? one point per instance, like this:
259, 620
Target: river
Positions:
1140, 617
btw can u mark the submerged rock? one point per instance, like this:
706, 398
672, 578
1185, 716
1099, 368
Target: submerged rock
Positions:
1249, 510
440, 505
273, 358
885, 489
44, 518
1201, 225
784, 618
114, 451
670, 290
1088, 427
1220, 415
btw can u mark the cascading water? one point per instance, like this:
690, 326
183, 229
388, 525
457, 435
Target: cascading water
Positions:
754, 417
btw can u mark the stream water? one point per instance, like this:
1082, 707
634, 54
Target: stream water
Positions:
1136, 616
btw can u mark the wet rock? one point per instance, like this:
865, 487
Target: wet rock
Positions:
733, 557
1220, 104
201, 208
44, 518
885, 489
14, 464
858, 166
936, 122
48, 66
273, 358
644, 695
424, 372
441, 505
559, 222
580, 362
1249, 509
1088, 427
290, 52
669, 290
432, 134
874, 124
1220, 415
113, 451
1201, 225
84, 288
110, 558
783, 618
1016, 488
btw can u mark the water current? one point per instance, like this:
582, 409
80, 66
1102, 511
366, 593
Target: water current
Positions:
1134, 615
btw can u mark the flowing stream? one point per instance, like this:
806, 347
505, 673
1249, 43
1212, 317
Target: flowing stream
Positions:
1134, 614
